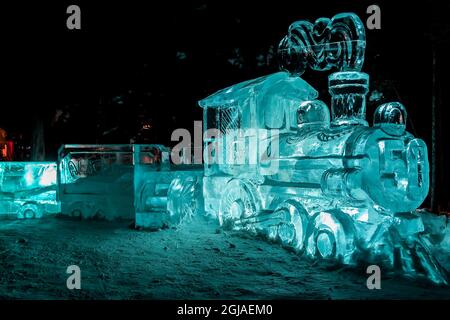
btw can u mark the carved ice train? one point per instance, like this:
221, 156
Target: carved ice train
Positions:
279, 163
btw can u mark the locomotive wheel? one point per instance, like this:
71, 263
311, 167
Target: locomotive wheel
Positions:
291, 231
29, 211
240, 201
101, 211
76, 213
331, 237
80, 210
183, 199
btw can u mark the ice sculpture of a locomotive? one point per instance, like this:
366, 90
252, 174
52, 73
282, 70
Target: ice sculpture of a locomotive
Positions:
275, 162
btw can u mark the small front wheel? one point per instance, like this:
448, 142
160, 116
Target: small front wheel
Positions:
331, 237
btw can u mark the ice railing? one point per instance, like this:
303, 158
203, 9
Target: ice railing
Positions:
78, 161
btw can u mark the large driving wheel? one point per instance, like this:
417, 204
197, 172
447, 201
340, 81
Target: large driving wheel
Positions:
291, 230
240, 202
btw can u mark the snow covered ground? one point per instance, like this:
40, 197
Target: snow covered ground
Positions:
197, 261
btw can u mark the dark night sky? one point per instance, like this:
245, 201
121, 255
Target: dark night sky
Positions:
138, 62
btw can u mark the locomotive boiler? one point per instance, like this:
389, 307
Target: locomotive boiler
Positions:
279, 163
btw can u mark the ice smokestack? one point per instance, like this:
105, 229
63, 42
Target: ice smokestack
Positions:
348, 97
338, 42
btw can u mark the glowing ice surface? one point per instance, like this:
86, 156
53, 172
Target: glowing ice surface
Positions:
28, 189
127, 182
96, 181
165, 194
332, 187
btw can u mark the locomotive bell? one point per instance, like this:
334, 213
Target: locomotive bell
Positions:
391, 118
348, 97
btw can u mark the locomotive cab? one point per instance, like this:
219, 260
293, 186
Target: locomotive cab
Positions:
240, 121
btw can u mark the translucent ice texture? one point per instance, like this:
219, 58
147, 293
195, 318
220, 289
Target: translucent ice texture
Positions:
332, 187
337, 42
348, 97
28, 189
391, 118
165, 194
96, 181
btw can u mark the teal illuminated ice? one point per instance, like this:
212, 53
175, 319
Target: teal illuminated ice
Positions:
127, 181
96, 181
28, 189
280, 162
165, 194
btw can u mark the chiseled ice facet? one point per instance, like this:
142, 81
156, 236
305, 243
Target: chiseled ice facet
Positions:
28, 189
325, 183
